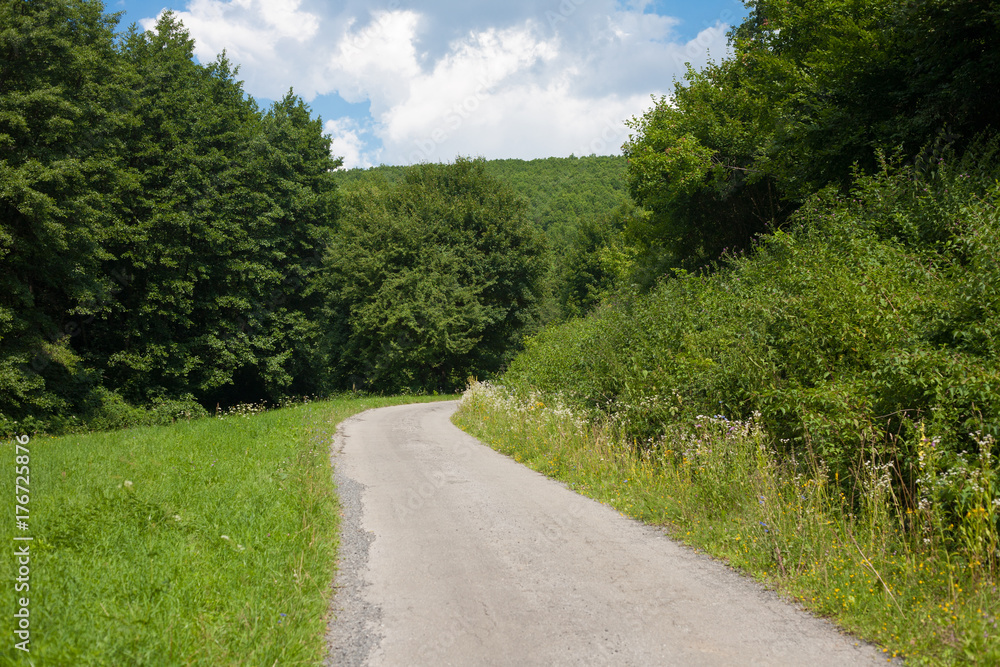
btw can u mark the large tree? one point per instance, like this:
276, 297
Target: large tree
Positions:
62, 108
693, 165
225, 225
157, 230
430, 280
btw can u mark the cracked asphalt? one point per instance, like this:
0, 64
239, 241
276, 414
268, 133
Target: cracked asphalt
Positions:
453, 554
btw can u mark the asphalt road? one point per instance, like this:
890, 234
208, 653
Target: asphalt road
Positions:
452, 554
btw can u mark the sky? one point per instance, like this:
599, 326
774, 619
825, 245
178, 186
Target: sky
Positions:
408, 81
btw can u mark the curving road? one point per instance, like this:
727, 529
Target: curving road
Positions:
452, 554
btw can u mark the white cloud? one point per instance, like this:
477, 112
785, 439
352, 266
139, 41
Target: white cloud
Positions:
376, 62
463, 82
506, 80
522, 121
263, 37
348, 143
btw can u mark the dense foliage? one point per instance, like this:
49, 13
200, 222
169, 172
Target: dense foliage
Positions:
827, 202
813, 90
837, 332
166, 246
430, 280
157, 226
561, 192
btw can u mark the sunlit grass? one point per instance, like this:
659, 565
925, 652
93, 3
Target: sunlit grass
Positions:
209, 542
716, 485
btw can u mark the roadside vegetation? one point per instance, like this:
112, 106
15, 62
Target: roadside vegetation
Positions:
887, 572
212, 541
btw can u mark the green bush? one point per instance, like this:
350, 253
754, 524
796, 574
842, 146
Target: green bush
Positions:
875, 313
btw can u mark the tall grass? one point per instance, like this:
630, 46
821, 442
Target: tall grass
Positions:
878, 567
208, 542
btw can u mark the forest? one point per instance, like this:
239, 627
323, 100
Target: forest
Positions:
169, 248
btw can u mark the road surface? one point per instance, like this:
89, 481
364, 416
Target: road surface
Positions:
453, 554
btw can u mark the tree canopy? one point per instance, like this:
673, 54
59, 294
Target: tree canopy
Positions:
430, 279
157, 227
814, 92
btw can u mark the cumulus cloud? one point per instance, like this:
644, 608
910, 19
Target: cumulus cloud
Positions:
376, 62
511, 79
348, 142
260, 36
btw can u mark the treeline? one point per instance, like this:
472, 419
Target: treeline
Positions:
559, 192
166, 246
582, 207
821, 210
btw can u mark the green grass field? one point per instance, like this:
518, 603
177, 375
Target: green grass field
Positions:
208, 542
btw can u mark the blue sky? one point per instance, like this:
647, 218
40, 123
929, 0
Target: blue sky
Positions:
408, 81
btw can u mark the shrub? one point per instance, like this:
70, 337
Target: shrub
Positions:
875, 315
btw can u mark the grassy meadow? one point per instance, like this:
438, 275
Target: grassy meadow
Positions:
207, 542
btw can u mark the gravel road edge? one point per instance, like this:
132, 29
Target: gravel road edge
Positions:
350, 636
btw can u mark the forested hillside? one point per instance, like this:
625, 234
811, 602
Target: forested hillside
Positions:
560, 192
166, 246
584, 210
